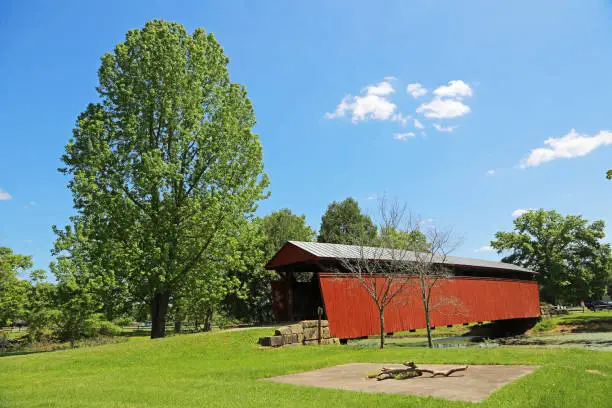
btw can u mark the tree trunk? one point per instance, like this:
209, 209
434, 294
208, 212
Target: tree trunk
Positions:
208, 321
428, 325
178, 325
159, 308
381, 315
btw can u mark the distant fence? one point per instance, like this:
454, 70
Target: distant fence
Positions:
143, 330
132, 330
11, 329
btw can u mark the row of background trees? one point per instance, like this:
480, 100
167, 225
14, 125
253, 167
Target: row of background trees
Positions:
568, 253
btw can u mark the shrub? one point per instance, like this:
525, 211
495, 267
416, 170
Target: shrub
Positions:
107, 328
95, 326
544, 325
222, 321
124, 321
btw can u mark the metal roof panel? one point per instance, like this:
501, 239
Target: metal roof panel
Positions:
324, 250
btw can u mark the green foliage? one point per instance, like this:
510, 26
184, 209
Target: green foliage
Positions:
96, 326
165, 170
572, 262
41, 312
544, 325
389, 237
609, 174
225, 277
344, 223
282, 226
13, 291
223, 321
76, 296
268, 234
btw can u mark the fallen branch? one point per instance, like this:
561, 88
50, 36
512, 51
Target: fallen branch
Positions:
411, 371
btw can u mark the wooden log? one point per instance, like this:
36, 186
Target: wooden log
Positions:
412, 371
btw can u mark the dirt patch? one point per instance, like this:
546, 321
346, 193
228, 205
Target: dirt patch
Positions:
596, 372
473, 385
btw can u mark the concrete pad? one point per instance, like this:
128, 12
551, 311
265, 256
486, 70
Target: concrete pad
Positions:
473, 385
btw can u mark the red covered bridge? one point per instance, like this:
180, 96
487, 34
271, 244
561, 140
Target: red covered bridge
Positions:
312, 276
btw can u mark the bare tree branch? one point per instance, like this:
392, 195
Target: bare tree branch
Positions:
403, 262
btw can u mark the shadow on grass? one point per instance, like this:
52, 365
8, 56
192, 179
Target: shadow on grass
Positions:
558, 341
21, 353
586, 319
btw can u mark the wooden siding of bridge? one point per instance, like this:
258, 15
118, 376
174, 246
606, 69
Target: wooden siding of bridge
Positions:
352, 313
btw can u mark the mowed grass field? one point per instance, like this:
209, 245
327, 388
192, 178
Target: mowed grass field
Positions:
224, 370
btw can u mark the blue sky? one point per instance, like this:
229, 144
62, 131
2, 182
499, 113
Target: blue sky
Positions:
329, 82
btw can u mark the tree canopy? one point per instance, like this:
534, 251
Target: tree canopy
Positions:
13, 291
413, 239
282, 226
572, 262
253, 300
344, 223
166, 168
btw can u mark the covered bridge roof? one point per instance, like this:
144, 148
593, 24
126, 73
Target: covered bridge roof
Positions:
296, 252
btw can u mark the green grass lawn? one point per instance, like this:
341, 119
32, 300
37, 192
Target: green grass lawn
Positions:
223, 369
584, 318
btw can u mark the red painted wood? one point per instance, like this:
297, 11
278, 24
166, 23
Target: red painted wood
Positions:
288, 255
352, 313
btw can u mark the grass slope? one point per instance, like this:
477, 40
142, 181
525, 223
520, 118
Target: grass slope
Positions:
222, 369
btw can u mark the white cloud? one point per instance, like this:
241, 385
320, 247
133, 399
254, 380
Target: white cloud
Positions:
418, 124
27, 241
399, 117
4, 195
403, 136
455, 89
520, 211
569, 146
382, 89
416, 90
372, 197
443, 108
486, 248
373, 103
441, 128
491, 172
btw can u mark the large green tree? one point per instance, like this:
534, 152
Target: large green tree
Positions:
572, 262
344, 223
268, 234
85, 273
41, 312
390, 237
282, 226
13, 290
166, 166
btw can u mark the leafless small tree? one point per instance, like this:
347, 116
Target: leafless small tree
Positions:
379, 266
402, 260
431, 271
